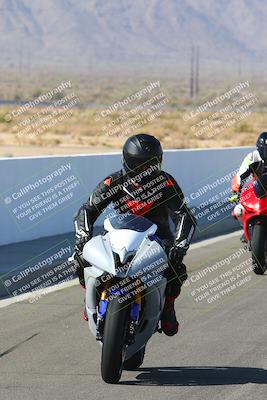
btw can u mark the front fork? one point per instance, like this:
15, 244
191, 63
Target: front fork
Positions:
134, 316
101, 313
134, 319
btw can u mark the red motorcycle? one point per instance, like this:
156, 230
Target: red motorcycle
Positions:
254, 201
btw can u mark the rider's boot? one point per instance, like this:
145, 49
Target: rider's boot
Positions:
84, 315
238, 214
243, 238
80, 274
169, 323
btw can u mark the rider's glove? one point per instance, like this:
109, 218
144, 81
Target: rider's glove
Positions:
82, 237
177, 253
234, 198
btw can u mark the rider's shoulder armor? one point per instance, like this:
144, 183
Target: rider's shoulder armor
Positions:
250, 164
107, 188
254, 157
173, 192
255, 162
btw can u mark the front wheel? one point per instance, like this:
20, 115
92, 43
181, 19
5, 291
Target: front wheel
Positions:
135, 361
258, 248
114, 341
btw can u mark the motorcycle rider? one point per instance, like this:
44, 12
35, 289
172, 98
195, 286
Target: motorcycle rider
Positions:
254, 164
132, 190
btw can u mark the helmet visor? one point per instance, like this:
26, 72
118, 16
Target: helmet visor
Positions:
135, 166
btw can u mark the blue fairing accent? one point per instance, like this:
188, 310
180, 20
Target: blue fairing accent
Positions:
103, 304
102, 308
135, 308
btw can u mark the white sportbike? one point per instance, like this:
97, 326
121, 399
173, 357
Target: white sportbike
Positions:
125, 290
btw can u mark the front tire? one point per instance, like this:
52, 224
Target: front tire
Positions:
258, 248
114, 338
135, 361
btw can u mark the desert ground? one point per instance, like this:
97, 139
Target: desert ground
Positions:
81, 118
80, 133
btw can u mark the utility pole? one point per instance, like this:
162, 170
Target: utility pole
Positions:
21, 54
28, 62
197, 70
192, 62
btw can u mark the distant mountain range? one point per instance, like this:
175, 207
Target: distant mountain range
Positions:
79, 33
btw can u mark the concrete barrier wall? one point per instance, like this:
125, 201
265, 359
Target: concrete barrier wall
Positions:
39, 195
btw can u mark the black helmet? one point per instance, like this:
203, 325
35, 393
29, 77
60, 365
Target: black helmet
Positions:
262, 146
141, 152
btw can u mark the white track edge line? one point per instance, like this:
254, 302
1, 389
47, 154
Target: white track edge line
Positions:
38, 293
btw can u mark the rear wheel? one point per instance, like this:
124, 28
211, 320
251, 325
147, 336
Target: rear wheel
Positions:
135, 361
114, 339
258, 248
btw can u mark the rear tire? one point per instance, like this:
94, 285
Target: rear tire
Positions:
114, 341
258, 248
135, 361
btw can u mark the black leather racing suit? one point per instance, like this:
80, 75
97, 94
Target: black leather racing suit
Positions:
155, 196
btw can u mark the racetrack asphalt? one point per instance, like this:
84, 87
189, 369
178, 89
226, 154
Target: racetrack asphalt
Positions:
220, 353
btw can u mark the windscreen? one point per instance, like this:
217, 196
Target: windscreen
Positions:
129, 221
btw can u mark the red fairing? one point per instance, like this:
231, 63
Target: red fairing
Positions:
253, 206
